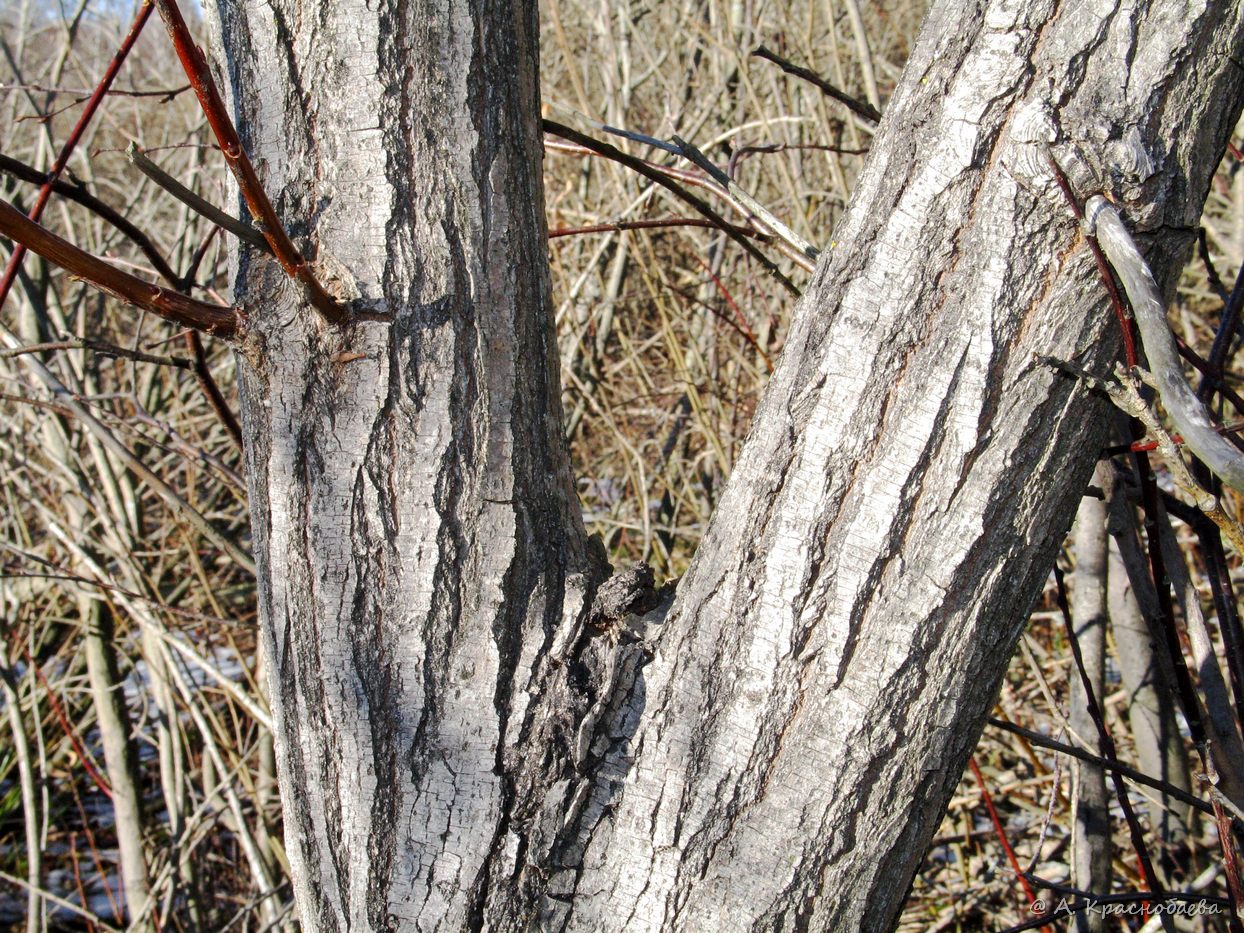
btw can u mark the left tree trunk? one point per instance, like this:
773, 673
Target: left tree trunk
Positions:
417, 537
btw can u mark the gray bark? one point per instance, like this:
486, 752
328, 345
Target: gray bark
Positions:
416, 532
461, 741
120, 756
1150, 706
1090, 832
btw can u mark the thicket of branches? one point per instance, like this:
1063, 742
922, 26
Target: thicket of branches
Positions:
128, 608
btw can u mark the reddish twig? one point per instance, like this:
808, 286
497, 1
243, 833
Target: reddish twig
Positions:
77, 877
726, 319
95, 855
173, 306
743, 326
1230, 861
75, 135
195, 65
88, 763
1001, 832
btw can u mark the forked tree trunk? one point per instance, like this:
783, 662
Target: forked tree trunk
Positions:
458, 745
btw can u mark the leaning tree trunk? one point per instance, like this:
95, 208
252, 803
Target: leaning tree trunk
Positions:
459, 744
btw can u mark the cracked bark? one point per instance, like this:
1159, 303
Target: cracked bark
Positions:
460, 744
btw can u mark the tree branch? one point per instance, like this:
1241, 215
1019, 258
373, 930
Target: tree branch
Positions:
105, 212
638, 165
261, 209
858, 107
217, 320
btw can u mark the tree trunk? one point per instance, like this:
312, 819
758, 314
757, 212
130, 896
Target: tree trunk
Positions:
416, 534
459, 744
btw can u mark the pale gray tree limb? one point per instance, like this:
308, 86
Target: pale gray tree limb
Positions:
1189, 414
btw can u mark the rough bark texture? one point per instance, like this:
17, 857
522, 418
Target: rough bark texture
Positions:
415, 529
461, 742
847, 619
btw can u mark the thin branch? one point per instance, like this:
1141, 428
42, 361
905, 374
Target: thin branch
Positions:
647, 140
199, 205
858, 107
60, 902
165, 94
1137, 777
738, 155
261, 209
638, 165
1000, 830
177, 503
80, 195
75, 135
619, 226
760, 215
103, 349
1215, 382
1211, 273
211, 390
1228, 324
218, 320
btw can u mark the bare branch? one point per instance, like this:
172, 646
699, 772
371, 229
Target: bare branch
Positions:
1180, 401
217, 320
858, 107
199, 205
261, 209
637, 165
80, 195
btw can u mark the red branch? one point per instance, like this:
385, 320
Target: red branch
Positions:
195, 65
84, 119
218, 320
1001, 832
